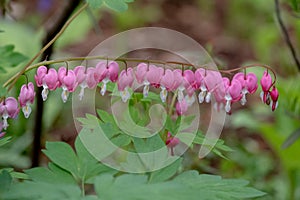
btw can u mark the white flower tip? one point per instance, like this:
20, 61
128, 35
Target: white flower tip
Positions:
163, 95
27, 111
64, 96
45, 93
146, 90
208, 97
228, 106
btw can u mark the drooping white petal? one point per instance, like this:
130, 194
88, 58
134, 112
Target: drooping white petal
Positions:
26, 110
244, 100
5, 123
81, 93
65, 94
146, 89
201, 96
104, 86
180, 95
228, 106
163, 94
208, 97
45, 93
125, 95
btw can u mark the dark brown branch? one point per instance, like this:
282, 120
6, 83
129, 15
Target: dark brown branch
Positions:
286, 34
51, 32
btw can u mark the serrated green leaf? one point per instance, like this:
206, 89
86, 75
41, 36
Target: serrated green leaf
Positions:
89, 166
42, 191
189, 185
42, 174
95, 3
62, 155
165, 173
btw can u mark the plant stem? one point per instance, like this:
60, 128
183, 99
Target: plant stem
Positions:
172, 103
68, 22
286, 34
52, 34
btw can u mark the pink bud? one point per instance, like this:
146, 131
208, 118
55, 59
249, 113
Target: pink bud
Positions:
171, 141
181, 107
274, 97
140, 72
40, 73
126, 79
266, 81
154, 75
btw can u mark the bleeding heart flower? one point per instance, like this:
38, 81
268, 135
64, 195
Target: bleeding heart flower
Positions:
181, 107
26, 98
274, 94
210, 82
125, 82
166, 83
68, 82
8, 109
48, 79
39, 77
266, 83
154, 75
81, 76
106, 72
248, 82
171, 143
233, 91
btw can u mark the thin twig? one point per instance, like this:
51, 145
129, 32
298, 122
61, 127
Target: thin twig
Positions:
49, 43
286, 34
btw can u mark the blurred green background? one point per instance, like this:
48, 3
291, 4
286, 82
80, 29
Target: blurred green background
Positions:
234, 32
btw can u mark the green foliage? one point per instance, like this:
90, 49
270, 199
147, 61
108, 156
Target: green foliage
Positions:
116, 5
4, 141
9, 58
295, 4
188, 185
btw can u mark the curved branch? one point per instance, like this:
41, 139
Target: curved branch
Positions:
286, 34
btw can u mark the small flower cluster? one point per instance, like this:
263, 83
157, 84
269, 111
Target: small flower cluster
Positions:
9, 107
183, 83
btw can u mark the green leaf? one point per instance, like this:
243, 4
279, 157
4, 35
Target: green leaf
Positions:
95, 3
3, 91
4, 141
89, 166
10, 58
5, 182
166, 172
189, 185
118, 5
62, 155
42, 191
45, 175
295, 4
